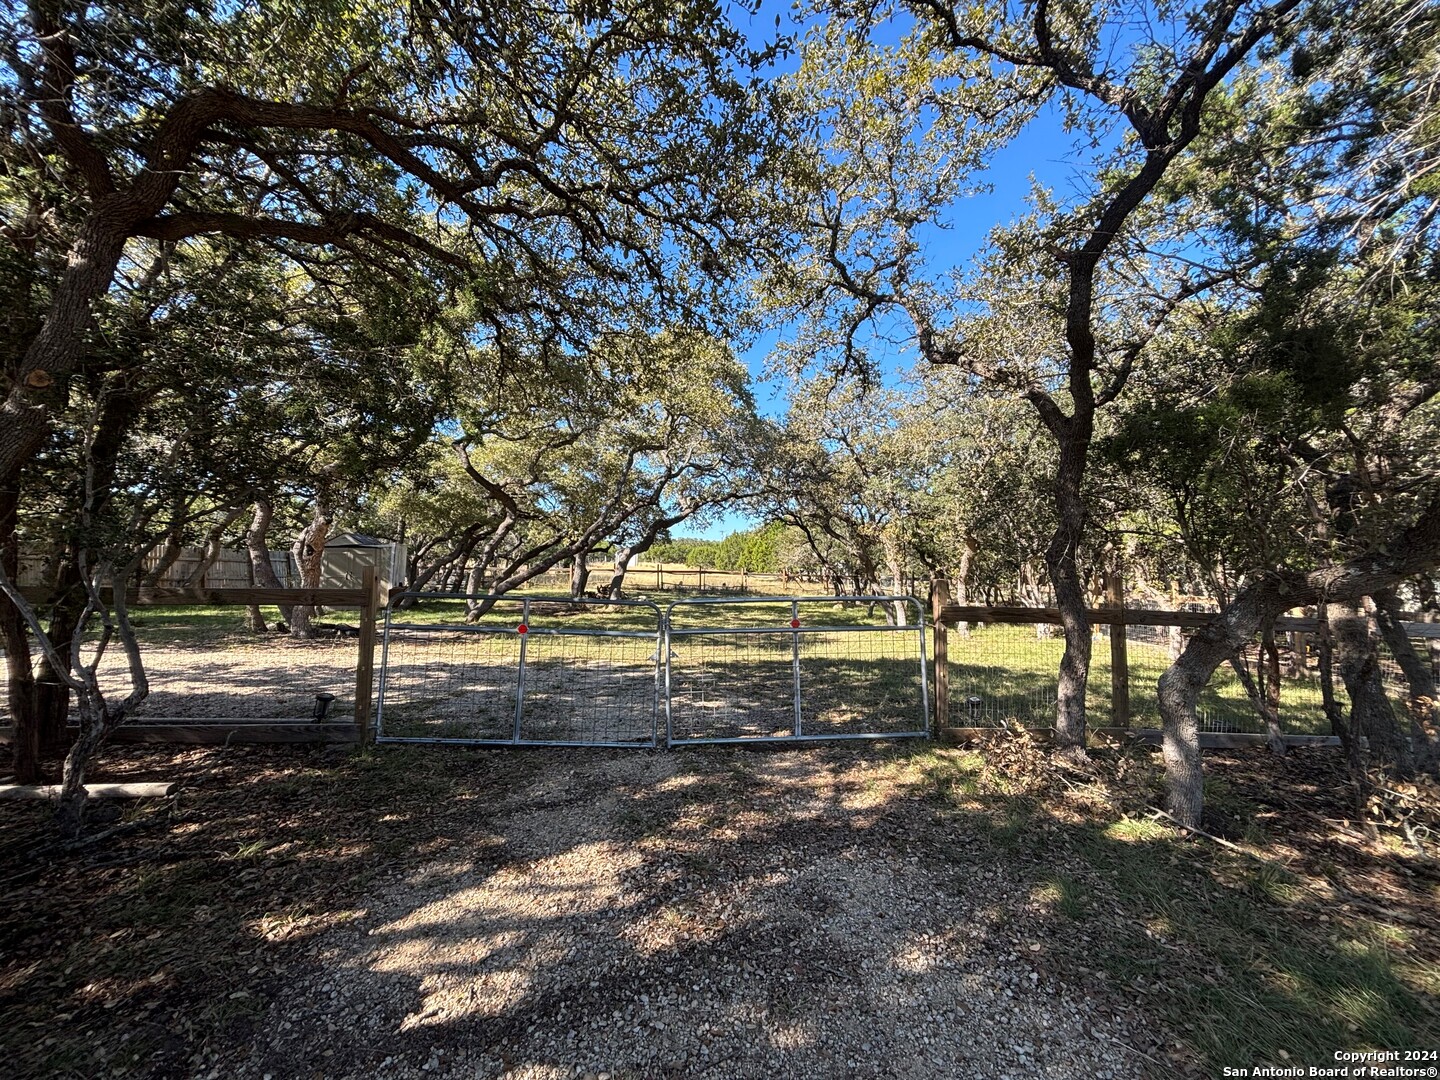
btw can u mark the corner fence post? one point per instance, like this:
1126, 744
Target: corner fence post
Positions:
939, 597
365, 662
1119, 658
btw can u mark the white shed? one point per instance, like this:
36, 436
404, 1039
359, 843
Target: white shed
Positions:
342, 565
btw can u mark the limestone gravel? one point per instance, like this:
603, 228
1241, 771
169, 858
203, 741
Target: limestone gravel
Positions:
716, 913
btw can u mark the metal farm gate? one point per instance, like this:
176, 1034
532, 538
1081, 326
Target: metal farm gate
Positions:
560, 672
786, 668
527, 672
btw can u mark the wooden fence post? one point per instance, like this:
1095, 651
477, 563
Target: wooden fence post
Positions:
365, 664
1119, 659
939, 597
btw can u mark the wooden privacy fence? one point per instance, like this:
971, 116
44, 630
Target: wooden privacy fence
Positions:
368, 602
1118, 618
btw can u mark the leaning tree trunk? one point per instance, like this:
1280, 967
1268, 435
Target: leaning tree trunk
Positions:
169, 556
416, 579
1419, 679
1358, 658
213, 547
1180, 687
485, 560
309, 550
616, 589
260, 566
1414, 550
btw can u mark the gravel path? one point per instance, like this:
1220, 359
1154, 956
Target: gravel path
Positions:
716, 913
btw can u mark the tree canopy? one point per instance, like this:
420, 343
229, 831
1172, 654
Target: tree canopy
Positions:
481, 278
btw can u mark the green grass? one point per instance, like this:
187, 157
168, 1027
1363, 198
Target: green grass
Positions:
723, 684
1008, 668
202, 625
1013, 672
815, 611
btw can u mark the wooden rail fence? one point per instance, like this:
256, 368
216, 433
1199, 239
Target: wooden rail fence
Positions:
945, 614
369, 601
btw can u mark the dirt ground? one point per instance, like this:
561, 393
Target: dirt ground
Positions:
820, 912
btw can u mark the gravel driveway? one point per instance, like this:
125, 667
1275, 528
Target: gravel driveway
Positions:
715, 913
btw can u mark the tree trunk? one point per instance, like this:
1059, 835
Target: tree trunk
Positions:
961, 580
615, 590
1419, 681
1412, 551
579, 574
1260, 698
52, 696
260, 565
118, 411
212, 550
1339, 727
169, 554
97, 717
70, 803
1270, 667
895, 613
1180, 687
1061, 562
309, 550
15, 639
254, 617
1370, 712
522, 566
417, 579
485, 561
56, 350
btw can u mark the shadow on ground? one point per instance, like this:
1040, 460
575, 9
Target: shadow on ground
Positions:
828, 911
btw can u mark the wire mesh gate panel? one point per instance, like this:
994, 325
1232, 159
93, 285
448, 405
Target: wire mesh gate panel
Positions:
795, 668
526, 672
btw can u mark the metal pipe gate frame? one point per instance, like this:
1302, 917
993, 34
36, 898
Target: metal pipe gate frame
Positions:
523, 630
796, 629
663, 635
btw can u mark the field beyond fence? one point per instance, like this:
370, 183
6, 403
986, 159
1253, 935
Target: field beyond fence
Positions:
996, 667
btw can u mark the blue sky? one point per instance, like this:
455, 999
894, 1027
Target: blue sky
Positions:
1042, 151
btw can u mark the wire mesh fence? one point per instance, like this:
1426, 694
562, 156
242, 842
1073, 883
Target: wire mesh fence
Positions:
594, 672
205, 665
795, 668
526, 672
1005, 673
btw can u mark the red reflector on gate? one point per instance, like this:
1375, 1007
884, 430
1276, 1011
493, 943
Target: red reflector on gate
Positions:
794, 624
522, 629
